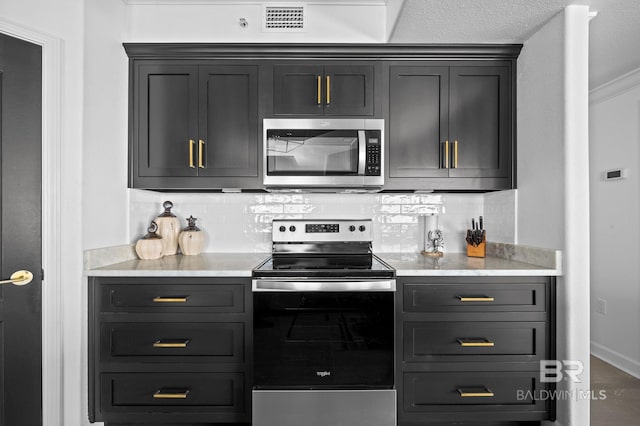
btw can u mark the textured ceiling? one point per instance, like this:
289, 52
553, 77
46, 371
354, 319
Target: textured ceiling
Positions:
614, 33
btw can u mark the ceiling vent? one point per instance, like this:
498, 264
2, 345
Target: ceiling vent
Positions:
283, 19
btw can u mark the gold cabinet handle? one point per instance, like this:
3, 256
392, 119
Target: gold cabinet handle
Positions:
328, 89
468, 393
160, 394
455, 154
319, 87
446, 154
21, 277
191, 143
476, 299
171, 343
200, 149
475, 343
177, 299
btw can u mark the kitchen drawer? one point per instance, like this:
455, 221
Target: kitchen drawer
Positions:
471, 391
165, 298
508, 295
168, 342
188, 392
474, 341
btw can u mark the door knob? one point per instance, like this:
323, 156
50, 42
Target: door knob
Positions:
19, 278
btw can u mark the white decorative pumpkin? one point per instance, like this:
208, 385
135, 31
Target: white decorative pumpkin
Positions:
150, 246
168, 229
191, 239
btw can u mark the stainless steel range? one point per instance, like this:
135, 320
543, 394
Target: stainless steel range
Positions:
323, 328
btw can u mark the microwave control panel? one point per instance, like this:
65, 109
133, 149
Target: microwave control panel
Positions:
374, 153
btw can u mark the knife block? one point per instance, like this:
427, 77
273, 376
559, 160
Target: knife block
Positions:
477, 251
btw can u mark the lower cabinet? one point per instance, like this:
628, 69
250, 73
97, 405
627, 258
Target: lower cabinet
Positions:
170, 351
469, 349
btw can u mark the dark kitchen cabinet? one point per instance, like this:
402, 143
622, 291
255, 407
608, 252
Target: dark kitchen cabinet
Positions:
196, 109
319, 89
172, 350
194, 125
469, 348
451, 126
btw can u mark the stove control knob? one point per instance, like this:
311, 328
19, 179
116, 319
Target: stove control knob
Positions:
352, 228
282, 229
362, 228
292, 228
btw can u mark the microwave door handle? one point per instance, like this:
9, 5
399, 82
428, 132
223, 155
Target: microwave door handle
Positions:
362, 152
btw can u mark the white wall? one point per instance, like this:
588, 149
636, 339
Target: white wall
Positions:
63, 20
104, 157
242, 222
332, 23
615, 217
553, 199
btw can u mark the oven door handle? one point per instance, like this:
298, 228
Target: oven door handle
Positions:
337, 285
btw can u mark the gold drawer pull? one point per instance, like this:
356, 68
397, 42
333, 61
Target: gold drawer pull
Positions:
177, 299
446, 154
171, 343
486, 393
475, 343
200, 149
455, 154
160, 394
476, 299
191, 143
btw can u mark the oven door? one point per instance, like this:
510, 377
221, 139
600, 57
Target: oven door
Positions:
322, 339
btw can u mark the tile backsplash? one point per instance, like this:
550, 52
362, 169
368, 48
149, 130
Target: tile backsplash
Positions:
241, 222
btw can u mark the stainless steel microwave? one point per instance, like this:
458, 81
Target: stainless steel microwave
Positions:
323, 153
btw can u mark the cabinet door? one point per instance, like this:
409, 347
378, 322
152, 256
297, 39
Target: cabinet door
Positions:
166, 120
297, 89
316, 89
480, 121
228, 121
348, 90
418, 121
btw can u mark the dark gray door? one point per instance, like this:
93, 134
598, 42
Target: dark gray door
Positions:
318, 89
167, 117
480, 123
20, 217
418, 121
297, 89
348, 90
228, 141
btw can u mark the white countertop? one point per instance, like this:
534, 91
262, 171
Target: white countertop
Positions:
202, 265
241, 264
458, 264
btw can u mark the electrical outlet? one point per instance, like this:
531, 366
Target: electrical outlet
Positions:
601, 306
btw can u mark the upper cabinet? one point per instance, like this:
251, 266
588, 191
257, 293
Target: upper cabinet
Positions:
451, 126
317, 89
196, 110
194, 125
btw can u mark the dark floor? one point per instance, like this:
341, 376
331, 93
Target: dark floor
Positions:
622, 404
